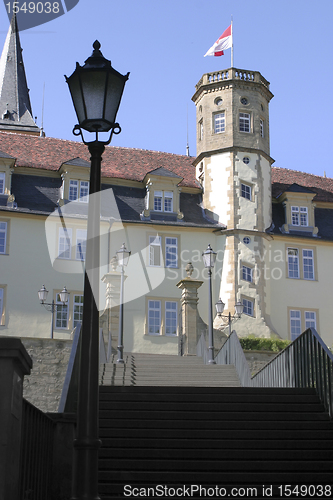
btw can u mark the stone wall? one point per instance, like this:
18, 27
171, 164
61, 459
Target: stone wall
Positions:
258, 359
50, 359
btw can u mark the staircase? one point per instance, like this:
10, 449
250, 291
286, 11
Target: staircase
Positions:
162, 370
208, 436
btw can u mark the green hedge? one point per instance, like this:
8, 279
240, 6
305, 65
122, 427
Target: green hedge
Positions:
253, 343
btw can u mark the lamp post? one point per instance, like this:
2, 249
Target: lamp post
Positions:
96, 89
209, 258
238, 312
51, 306
123, 256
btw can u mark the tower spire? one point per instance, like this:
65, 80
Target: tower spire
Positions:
15, 107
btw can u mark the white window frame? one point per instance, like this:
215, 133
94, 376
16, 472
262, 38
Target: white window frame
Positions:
63, 309
245, 122
167, 204
65, 239
171, 315
2, 182
246, 191
248, 308
81, 243
295, 319
3, 231
77, 309
155, 251
308, 264
158, 201
171, 249
219, 122
84, 191
293, 260
73, 184
154, 313
247, 273
310, 322
299, 216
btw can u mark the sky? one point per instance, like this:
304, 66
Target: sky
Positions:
162, 44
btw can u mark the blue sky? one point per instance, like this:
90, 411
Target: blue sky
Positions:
162, 44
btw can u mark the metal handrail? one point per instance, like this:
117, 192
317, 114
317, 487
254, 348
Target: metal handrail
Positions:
305, 363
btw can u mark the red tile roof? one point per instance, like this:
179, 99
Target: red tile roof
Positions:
124, 163
282, 178
133, 164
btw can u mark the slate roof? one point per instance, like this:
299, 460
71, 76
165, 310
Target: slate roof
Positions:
47, 153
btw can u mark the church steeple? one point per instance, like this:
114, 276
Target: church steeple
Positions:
15, 107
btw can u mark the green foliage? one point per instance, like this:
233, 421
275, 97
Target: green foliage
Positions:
253, 343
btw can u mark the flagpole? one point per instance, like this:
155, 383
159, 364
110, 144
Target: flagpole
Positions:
232, 45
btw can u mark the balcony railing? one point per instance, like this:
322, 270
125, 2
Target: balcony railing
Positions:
305, 363
232, 74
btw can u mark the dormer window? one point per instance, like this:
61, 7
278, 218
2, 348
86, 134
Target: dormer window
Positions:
78, 191
299, 216
163, 201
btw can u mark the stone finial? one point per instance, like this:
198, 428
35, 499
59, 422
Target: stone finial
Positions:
189, 269
114, 263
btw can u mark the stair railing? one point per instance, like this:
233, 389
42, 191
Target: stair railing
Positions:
305, 363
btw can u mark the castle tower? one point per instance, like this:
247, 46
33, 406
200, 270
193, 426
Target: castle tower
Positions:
233, 165
15, 107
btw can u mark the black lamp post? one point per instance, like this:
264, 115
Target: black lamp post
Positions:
96, 89
238, 312
51, 306
123, 256
209, 258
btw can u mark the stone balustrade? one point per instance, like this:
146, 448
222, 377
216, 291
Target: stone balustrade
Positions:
232, 74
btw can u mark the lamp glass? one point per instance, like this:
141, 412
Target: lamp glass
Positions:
219, 306
42, 294
63, 295
123, 256
209, 258
239, 308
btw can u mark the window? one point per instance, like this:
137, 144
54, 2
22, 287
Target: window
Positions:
65, 243
295, 324
244, 122
77, 309
168, 201
61, 314
158, 196
163, 201
293, 263
301, 320
3, 237
308, 264
155, 251
171, 252
170, 318
299, 216
219, 123
261, 128
162, 317
163, 248
248, 307
81, 241
201, 130
2, 183
154, 317
77, 188
246, 191
247, 273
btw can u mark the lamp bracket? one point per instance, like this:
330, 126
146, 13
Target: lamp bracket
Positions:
115, 129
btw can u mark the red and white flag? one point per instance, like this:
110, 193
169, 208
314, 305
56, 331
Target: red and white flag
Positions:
223, 43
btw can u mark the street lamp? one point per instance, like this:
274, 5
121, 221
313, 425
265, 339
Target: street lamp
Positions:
209, 258
96, 89
238, 312
51, 306
123, 256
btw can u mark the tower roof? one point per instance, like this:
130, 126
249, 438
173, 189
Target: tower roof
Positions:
15, 107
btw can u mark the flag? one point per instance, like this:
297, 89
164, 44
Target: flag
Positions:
221, 44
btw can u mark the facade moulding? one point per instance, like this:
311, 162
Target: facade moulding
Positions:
249, 232
233, 149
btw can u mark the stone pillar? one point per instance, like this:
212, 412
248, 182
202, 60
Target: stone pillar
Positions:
15, 362
189, 310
